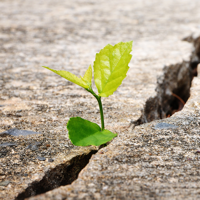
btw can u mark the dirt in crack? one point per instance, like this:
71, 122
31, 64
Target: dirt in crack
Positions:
173, 88
63, 174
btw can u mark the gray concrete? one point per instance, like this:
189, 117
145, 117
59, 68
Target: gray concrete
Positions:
141, 162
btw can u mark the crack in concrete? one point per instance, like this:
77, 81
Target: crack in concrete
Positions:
63, 174
173, 88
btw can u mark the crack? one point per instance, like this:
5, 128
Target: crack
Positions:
173, 88
63, 174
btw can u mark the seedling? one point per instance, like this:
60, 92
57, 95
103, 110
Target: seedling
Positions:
110, 68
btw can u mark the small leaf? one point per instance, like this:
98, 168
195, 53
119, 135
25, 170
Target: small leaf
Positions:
111, 66
70, 77
88, 76
84, 133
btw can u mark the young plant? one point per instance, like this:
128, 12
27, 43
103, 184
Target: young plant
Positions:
110, 68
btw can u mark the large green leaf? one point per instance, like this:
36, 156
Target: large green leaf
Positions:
111, 66
84, 133
70, 77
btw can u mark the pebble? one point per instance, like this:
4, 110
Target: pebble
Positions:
50, 160
4, 183
41, 158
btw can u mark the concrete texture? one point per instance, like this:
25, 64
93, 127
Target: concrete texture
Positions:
141, 162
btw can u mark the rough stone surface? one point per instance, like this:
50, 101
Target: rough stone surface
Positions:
142, 163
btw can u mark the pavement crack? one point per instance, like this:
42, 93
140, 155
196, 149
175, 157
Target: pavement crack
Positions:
63, 174
173, 88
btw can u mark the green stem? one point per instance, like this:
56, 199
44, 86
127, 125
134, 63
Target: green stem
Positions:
101, 113
98, 98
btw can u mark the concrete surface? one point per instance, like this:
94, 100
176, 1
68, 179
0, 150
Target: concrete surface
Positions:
141, 162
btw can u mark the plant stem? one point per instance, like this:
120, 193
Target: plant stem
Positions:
101, 112
98, 98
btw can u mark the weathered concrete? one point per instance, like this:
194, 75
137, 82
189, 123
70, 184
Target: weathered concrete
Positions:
66, 35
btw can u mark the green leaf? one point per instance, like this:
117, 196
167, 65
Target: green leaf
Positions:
88, 76
70, 77
111, 66
84, 133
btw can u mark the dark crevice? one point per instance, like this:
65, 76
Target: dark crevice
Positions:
63, 174
173, 88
